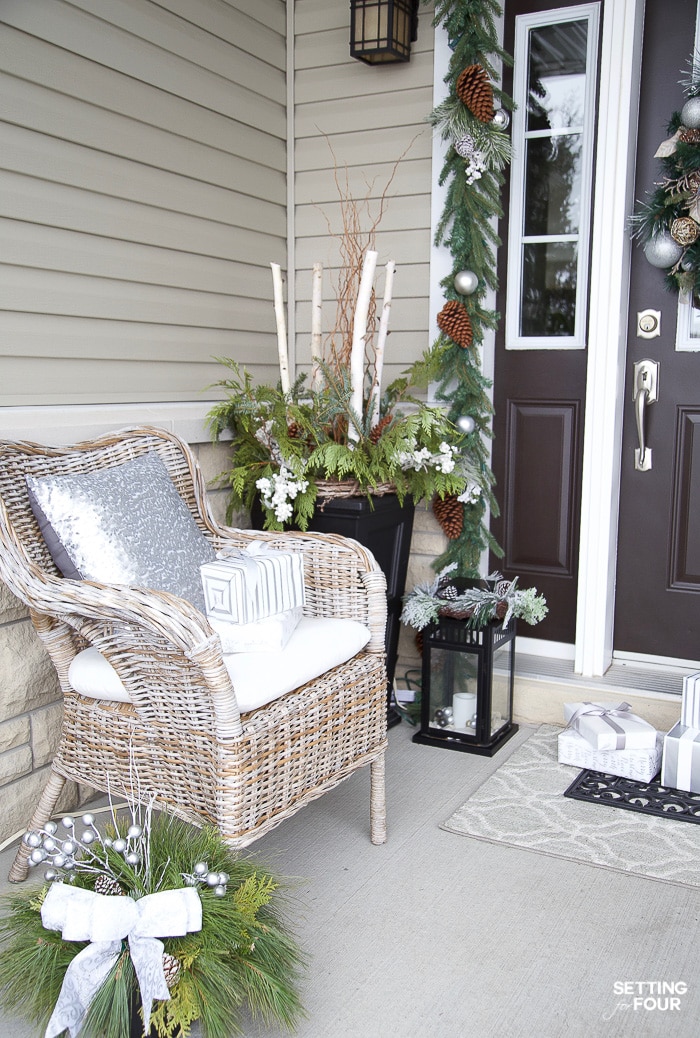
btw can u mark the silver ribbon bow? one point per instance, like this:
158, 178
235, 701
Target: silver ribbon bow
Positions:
83, 915
245, 559
591, 710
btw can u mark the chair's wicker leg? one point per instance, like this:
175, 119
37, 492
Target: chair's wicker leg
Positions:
44, 810
377, 801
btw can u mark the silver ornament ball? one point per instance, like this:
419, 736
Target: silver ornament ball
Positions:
690, 113
88, 837
662, 251
220, 891
32, 839
501, 119
465, 423
132, 858
213, 879
50, 875
119, 845
88, 819
134, 832
466, 282
67, 822
69, 846
50, 828
201, 868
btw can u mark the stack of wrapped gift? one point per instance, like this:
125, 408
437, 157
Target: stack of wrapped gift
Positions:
254, 598
681, 762
608, 737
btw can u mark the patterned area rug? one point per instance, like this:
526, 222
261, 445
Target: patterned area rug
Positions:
522, 805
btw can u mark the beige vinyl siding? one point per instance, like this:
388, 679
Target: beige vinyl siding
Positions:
142, 195
369, 117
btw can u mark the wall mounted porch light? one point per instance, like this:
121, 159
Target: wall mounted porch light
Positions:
381, 31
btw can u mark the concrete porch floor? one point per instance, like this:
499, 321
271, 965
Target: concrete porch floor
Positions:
438, 934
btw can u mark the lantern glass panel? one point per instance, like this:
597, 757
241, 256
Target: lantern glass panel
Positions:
501, 705
453, 682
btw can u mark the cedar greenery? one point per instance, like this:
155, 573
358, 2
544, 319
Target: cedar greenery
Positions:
243, 959
416, 451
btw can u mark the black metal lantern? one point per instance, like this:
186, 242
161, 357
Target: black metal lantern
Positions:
381, 31
467, 688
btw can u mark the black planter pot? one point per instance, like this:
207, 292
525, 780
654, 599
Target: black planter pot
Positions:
384, 527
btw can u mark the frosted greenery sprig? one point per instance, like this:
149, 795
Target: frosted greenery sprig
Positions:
477, 606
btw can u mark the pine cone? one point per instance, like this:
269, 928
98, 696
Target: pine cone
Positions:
455, 322
294, 430
475, 91
449, 512
104, 884
172, 968
688, 135
379, 428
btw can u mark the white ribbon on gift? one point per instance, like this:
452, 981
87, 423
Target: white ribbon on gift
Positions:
105, 921
605, 714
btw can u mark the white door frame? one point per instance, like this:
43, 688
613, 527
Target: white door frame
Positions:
620, 74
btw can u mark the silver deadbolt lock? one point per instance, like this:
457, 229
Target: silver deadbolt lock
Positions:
648, 324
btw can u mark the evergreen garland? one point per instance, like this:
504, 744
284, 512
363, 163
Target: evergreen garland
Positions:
473, 171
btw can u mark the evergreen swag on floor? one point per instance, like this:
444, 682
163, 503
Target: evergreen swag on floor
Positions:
243, 960
473, 119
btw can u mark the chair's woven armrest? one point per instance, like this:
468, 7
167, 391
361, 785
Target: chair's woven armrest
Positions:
341, 576
133, 628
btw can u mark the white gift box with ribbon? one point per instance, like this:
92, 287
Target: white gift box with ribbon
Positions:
690, 707
268, 635
681, 761
610, 726
244, 586
640, 765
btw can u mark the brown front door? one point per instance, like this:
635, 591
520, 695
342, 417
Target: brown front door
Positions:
541, 346
657, 606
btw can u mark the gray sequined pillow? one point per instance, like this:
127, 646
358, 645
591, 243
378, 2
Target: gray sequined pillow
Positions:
123, 525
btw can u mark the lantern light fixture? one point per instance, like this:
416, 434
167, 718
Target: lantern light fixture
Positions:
381, 31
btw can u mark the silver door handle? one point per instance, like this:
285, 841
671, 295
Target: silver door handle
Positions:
646, 391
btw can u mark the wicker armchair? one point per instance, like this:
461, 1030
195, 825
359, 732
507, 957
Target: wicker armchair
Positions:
182, 738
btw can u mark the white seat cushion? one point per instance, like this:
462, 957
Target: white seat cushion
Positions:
317, 645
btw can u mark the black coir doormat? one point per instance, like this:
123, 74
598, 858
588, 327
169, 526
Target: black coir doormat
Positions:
649, 798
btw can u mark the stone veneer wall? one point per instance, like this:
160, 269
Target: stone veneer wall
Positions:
30, 706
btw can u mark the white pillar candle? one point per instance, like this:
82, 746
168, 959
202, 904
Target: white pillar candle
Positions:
463, 708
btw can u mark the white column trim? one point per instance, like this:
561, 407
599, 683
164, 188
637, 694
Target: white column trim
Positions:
291, 193
620, 66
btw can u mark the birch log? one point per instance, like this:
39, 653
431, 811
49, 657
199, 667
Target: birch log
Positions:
376, 391
281, 326
359, 333
316, 323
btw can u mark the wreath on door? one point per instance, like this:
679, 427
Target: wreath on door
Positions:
667, 223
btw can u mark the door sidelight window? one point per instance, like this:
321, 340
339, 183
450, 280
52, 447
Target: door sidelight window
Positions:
551, 178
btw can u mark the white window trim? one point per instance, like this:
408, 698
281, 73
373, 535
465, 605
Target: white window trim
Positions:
686, 342
515, 341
